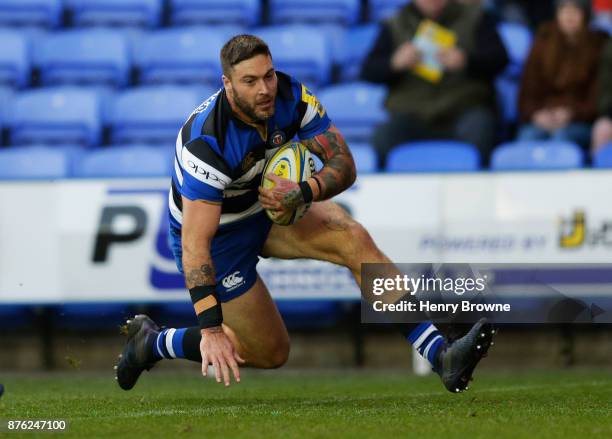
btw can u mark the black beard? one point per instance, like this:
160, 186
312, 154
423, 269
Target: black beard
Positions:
249, 111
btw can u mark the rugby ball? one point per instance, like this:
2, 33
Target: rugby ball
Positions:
294, 162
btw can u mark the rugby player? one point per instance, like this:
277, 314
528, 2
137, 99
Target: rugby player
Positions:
219, 229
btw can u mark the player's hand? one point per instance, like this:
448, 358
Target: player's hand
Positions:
452, 58
284, 197
405, 57
217, 349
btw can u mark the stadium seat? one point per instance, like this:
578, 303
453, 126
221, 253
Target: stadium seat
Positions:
241, 12
72, 152
152, 114
345, 12
179, 56
126, 161
141, 13
41, 13
56, 115
365, 156
603, 157
538, 155
433, 156
96, 56
357, 44
507, 90
14, 59
355, 108
33, 163
381, 9
300, 51
517, 39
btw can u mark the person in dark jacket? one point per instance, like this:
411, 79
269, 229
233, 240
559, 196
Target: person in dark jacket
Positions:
460, 105
559, 90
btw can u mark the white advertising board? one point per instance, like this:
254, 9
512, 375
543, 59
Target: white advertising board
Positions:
105, 240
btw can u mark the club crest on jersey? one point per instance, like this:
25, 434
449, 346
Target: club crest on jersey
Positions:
278, 138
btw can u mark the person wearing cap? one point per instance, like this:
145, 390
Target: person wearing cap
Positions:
559, 92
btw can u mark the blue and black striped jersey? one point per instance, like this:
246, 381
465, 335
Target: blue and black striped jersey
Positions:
220, 158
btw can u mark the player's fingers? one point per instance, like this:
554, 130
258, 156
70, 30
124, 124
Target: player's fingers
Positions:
204, 365
238, 358
225, 371
217, 370
234, 366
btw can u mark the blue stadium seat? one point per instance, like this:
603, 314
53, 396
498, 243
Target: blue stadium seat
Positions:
96, 56
300, 51
14, 59
241, 12
345, 12
6, 99
141, 13
72, 152
188, 55
126, 161
507, 90
152, 114
357, 44
41, 13
56, 115
355, 108
433, 156
603, 157
365, 156
538, 155
517, 39
34, 163
381, 9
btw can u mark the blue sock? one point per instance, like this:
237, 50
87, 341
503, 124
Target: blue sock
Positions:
427, 340
169, 344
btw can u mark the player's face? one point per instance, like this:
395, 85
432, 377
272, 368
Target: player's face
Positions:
252, 87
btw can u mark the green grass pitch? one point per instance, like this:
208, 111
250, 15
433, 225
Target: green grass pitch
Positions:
317, 404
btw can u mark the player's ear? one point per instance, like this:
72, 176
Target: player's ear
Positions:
227, 84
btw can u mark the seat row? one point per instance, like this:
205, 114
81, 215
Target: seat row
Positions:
153, 13
108, 57
153, 114
140, 161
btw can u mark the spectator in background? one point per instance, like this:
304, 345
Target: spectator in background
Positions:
559, 89
602, 130
460, 103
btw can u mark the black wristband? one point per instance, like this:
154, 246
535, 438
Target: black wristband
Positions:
306, 191
207, 306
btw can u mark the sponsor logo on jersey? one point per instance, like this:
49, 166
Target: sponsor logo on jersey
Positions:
278, 138
206, 174
232, 281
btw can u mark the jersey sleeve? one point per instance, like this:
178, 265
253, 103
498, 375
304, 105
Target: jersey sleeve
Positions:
205, 173
314, 118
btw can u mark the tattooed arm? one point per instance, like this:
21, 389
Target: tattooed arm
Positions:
337, 175
200, 223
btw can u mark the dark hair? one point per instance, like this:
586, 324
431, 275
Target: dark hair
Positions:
240, 48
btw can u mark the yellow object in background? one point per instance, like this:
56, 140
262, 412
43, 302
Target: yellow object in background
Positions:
430, 37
